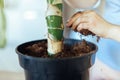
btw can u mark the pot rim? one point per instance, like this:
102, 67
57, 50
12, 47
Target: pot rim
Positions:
47, 59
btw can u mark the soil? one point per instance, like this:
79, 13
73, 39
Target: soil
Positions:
40, 50
86, 32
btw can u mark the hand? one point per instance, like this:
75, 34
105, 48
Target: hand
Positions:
91, 21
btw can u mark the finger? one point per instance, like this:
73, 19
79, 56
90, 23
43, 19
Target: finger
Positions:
83, 25
73, 18
78, 21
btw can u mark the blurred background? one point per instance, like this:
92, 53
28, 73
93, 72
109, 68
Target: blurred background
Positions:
24, 21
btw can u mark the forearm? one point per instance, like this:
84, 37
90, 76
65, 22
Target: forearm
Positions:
114, 33
87, 3
82, 3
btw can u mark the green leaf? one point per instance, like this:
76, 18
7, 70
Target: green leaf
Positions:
57, 34
50, 1
54, 21
60, 6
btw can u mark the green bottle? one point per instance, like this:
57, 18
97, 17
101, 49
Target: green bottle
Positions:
2, 25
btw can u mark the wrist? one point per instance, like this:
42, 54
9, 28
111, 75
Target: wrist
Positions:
112, 31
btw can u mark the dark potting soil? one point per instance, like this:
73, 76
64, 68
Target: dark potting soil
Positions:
40, 50
86, 32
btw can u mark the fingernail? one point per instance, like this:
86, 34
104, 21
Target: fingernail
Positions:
67, 25
68, 20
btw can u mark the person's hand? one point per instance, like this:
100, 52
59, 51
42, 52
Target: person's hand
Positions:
91, 21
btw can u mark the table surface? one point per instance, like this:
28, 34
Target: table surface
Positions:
11, 75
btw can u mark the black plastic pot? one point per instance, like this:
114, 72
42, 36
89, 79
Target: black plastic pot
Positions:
75, 68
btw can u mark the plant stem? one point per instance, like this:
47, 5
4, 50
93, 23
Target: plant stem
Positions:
2, 25
1, 3
55, 26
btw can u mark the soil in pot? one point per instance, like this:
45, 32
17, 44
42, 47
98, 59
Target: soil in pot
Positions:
39, 49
